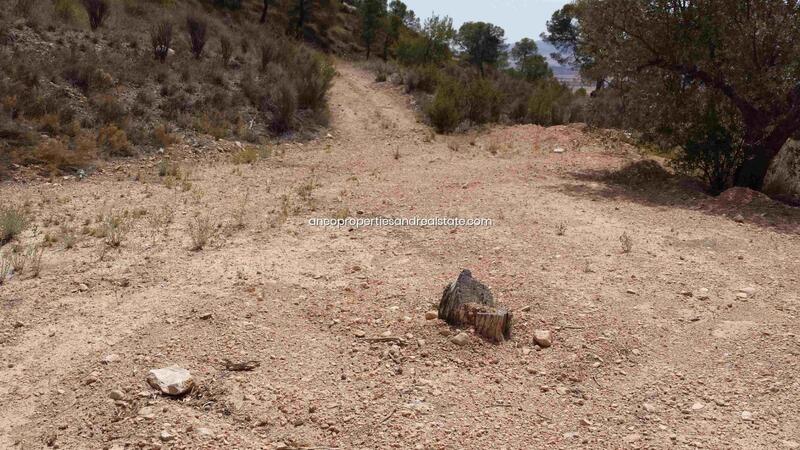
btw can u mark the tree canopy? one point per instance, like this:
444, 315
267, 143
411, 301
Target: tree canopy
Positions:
482, 43
685, 61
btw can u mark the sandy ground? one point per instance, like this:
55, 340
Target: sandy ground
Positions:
655, 348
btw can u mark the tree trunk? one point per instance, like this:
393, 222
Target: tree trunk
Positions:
369, 50
754, 168
264, 11
386, 48
467, 302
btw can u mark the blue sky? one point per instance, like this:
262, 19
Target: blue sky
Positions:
520, 18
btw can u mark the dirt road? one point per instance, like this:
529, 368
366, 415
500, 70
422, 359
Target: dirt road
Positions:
690, 339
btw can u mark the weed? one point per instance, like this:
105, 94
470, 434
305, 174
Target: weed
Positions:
561, 229
627, 242
115, 227
248, 155
160, 40
13, 221
240, 213
197, 34
200, 231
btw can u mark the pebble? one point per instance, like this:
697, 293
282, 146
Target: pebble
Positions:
166, 436
205, 316
116, 394
698, 406
791, 444
205, 432
649, 407
460, 339
543, 338
747, 415
431, 315
147, 412
110, 358
93, 377
359, 333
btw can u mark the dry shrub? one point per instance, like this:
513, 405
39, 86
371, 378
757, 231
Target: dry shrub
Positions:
213, 124
282, 105
225, 49
200, 231
58, 155
197, 28
160, 40
163, 137
13, 221
313, 76
108, 109
247, 155
97, 10
114, 141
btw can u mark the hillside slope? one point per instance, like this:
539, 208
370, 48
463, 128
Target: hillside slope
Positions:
687, 339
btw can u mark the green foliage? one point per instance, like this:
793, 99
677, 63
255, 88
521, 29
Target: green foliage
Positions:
13, 221
431, 45
371, 12
482, 43
550, 104
711, 151
482, 101
444, 111
529, 64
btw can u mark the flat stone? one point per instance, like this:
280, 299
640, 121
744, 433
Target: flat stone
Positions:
166, 436
747, 416
110, 358
147, 412
171, 380
431, 315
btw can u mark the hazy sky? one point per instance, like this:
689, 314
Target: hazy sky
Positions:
520, 18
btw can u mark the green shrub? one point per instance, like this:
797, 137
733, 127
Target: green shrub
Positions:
482, 101
711, 151
444, 111
12, 222
313, 78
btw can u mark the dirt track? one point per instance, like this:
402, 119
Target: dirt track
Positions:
643, 356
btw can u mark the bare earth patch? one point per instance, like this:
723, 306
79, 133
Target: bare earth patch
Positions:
686, 337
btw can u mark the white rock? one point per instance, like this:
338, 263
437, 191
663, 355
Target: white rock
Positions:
460, 339
748, 290
110, 358
205, 432
747, 415
558, 150
543, 338
166, 436
649, 407
171, 380
698, 406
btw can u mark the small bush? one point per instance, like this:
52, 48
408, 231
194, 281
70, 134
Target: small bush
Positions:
482, 101
444, 110
312, 79
13, 221
200, 232
114, 141
97, 10
58, 155
109, 109
712, 152
197, 28
65, 10
115, 227
163, 138
225, 49
282, 100
626, 242
160, 40
247, 155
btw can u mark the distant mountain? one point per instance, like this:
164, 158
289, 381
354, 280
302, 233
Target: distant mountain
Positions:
565, 73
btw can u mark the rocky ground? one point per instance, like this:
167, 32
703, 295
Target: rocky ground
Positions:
672, 316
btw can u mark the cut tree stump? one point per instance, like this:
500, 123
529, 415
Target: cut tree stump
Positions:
467, 302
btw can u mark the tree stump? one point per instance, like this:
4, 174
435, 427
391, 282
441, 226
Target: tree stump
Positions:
467, 302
